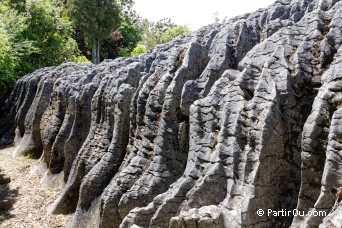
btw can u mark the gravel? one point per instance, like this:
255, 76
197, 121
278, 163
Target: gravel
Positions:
31, 200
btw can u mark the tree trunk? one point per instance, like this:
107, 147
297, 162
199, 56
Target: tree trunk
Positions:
93, 53
96, 52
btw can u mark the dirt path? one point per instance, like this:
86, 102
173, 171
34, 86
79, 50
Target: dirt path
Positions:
31, 199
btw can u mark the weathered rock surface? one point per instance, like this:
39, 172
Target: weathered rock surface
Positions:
201, 132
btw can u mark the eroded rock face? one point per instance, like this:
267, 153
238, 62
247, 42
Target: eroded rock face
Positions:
200, 132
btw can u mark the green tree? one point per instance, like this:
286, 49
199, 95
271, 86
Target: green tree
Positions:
130, 34
50, 32
164, 30
172, 33
96, 20
35, 37
122, 41
12, 46
152, 31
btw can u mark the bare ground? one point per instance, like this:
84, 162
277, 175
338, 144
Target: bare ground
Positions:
31, 200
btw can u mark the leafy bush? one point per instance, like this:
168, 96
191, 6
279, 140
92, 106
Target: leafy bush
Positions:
124, 52
33, 34
162, 31
138, 50
80, 59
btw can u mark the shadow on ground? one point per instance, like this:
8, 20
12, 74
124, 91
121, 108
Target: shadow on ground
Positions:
7, 198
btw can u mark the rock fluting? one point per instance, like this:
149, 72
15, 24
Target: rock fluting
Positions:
201, 132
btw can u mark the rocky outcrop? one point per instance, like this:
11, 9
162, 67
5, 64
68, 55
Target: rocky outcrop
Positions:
201, 132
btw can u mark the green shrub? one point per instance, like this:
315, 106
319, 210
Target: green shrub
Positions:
79, 59
138, 50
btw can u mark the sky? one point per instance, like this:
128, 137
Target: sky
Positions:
196, 13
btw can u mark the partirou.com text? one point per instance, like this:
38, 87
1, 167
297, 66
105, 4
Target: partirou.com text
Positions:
288, 213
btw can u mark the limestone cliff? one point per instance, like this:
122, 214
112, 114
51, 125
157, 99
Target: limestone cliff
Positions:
201, 132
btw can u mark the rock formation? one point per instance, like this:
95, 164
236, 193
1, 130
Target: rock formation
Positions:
200, 132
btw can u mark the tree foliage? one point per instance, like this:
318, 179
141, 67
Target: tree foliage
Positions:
122, 41
130, 34
162, 31
12, 24
172, 33
38, 33
33, 34
96, 20
12, 46
138, 50
50, 33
